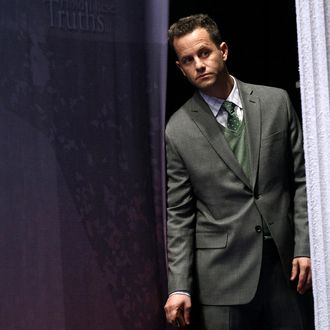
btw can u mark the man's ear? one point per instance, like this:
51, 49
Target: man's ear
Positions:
224, 51
179, 66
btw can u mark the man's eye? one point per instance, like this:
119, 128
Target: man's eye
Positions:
205, 53
186, 60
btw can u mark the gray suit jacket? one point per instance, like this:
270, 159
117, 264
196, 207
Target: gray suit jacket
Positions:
215, 211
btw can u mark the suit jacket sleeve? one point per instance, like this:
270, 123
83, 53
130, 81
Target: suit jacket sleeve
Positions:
301, 235
180, 220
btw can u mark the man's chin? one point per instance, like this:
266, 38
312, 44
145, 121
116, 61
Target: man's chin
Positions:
205, 87
205, 82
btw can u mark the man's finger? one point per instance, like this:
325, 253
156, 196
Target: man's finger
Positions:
302, 280
294, 271
186, 314
309, 279
180, 318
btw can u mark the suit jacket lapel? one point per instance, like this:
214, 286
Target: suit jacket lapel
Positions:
204, 119
251, 110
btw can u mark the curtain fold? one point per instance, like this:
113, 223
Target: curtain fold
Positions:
82, 107
313, 25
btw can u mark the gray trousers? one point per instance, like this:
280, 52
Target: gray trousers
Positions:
276, 305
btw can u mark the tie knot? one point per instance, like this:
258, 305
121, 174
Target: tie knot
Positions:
233, 122
228, 106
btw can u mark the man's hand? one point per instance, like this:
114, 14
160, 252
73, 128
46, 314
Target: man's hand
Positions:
176, 304
301, 269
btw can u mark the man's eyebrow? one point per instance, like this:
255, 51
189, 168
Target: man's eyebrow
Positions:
203, 47
185, 56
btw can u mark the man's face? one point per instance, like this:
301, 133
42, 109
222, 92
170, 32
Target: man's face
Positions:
200, 60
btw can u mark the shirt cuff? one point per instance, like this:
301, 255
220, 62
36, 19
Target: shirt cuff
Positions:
186, 293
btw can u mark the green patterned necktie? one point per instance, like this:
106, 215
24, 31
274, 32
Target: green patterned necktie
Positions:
233, 122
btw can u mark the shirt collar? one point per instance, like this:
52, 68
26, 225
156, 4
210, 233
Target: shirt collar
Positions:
215, 103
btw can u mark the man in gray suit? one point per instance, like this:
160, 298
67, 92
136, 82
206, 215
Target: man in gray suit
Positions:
237, 231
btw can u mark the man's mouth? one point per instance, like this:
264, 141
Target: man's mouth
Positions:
204, 75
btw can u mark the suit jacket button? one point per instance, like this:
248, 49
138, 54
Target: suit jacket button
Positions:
258, 229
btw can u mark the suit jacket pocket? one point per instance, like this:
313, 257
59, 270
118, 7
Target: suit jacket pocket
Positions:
211, 240
273, 137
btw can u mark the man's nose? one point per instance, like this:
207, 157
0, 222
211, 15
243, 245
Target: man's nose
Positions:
199, 65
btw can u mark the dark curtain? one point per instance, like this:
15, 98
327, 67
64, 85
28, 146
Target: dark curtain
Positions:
81, 164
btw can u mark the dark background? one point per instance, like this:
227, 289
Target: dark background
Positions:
262, 41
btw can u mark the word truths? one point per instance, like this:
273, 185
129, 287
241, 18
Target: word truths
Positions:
78, 15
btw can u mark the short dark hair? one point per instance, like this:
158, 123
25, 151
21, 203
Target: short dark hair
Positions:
188, 24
